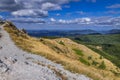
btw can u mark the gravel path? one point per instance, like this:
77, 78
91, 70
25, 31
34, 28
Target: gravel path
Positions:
16, 64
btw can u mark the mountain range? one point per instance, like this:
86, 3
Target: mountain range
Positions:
65, 33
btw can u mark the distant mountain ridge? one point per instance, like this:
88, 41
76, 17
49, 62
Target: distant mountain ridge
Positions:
114, 31
65, 33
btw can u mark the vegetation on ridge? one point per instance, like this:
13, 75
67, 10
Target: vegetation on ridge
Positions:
107, 46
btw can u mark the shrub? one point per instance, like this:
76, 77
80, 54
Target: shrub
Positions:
101, 57
102, 65
78, 52
24, 31
95, 63
84, 61
89, 57
61, 43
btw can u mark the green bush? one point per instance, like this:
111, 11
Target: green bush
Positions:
89, 57
102, 65
94, 63
84, 61
101, 57
78, 52
61, 43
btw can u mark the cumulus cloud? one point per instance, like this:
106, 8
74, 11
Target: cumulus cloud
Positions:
99, 21
74, 21
9, 5
52, 20
50, 6
30, 12
108, 21
31, 7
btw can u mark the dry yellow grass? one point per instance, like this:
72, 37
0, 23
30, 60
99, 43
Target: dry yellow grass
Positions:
64, 54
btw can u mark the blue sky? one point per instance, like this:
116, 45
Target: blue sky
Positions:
62, 14
85, 8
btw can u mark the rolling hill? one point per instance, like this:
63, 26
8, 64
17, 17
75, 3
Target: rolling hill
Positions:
106, 45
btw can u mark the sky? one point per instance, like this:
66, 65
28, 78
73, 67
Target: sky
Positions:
62, 14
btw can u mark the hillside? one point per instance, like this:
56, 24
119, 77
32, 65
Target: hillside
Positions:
16, 64
106, 45
75, 57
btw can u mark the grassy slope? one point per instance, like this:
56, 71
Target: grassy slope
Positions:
106, 45
66, 53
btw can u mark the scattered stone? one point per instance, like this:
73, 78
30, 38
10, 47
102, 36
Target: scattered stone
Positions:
14, 60
0, 47
1, 61
3, 67
0, 35
26, 62
5, 57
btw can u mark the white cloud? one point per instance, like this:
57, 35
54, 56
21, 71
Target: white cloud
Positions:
108, 21
75, 21
30, 12
99, 21
52, 19
50, 6
86, 19
9, 5
31, 7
